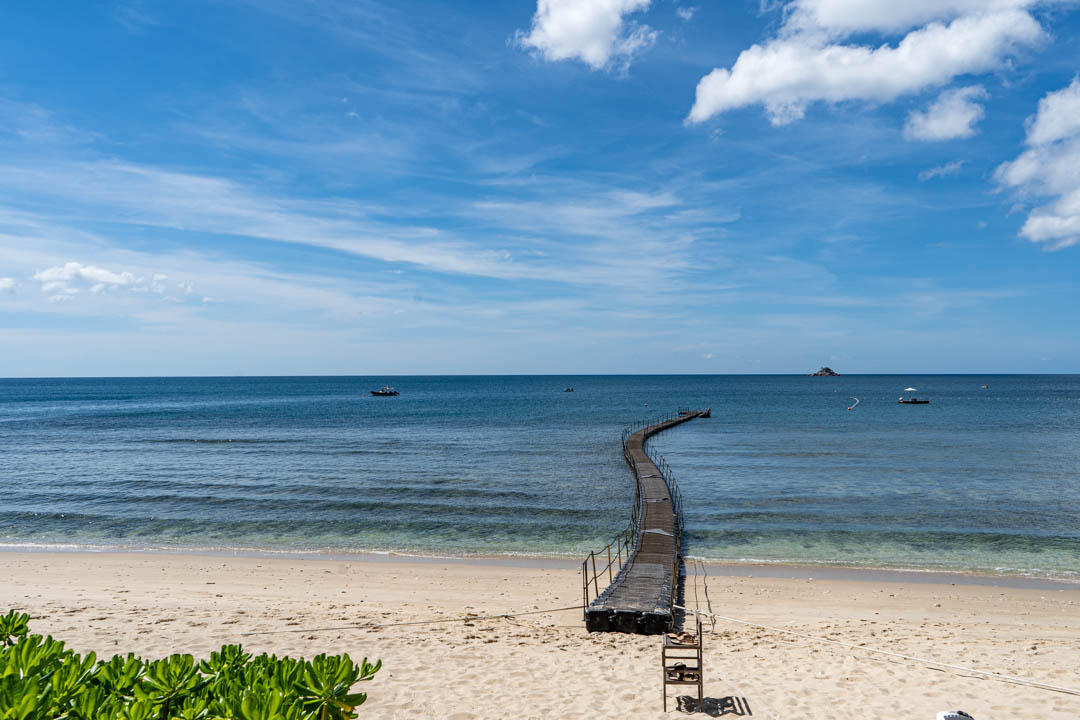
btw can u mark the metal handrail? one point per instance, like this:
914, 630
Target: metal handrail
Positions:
622, 545
672, 484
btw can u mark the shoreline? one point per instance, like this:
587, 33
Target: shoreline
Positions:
778, 570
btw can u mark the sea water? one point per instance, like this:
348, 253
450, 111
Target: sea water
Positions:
981, 479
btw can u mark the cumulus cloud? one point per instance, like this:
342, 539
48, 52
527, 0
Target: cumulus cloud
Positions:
69, 277
593, 31
63, 282
952, 115
1058, 116
686, 13
807, 61
949, 168
840, 18
6, 284
1050, 168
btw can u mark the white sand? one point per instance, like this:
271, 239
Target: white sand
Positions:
546, 665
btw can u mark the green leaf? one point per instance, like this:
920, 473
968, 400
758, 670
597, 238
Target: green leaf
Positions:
41, 680
13, 627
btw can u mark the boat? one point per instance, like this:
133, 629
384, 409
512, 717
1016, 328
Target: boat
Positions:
911, 400
569, 389
385, 391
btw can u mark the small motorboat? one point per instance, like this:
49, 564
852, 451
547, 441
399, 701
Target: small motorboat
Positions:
569, 389
911, 400
385, 391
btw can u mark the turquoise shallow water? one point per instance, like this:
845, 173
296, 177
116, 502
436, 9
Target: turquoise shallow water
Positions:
980, 479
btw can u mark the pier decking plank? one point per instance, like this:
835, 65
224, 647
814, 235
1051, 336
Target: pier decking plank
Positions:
639, 599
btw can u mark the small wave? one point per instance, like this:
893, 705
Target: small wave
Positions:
218, 441
300, 552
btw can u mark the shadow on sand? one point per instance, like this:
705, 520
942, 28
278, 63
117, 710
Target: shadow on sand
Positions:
716, 707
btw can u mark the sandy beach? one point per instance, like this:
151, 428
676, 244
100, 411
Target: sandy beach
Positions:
544, 665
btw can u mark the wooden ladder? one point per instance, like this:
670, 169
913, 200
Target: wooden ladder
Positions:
681, 660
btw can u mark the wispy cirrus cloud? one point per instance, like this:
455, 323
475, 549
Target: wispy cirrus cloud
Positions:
588, 233
950, 168
134, 17
201, 203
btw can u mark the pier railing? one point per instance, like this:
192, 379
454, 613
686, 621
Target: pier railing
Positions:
619, 551
673, 490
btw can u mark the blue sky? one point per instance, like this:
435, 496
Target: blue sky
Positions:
585, 186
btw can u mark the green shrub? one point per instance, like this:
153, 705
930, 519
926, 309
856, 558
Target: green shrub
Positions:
41, 680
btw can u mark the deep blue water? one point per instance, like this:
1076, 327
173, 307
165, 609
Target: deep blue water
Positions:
980, 479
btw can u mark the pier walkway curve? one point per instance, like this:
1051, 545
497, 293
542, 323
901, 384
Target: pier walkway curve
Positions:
642, 564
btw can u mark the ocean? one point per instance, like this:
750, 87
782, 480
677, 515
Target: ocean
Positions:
981, 480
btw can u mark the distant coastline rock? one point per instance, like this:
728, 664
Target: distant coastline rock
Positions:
825, 372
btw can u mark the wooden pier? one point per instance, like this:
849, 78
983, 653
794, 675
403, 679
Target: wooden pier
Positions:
642, 565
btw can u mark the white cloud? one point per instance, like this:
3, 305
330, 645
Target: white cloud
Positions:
62, 282
803, 65
1058, 116
593, 31
840, 18
6, 284
949, 168
1050, 167
952, 115
686, 13
64, 278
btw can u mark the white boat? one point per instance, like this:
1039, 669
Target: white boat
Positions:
911, 400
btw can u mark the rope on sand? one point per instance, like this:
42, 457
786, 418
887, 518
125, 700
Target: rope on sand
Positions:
712, 618
467, 618
987, 673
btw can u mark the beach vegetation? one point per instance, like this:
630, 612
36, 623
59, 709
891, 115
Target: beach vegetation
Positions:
40, 679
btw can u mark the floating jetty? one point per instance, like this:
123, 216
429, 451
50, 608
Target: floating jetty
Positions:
641, 567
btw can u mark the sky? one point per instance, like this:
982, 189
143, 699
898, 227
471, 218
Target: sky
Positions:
309, 187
